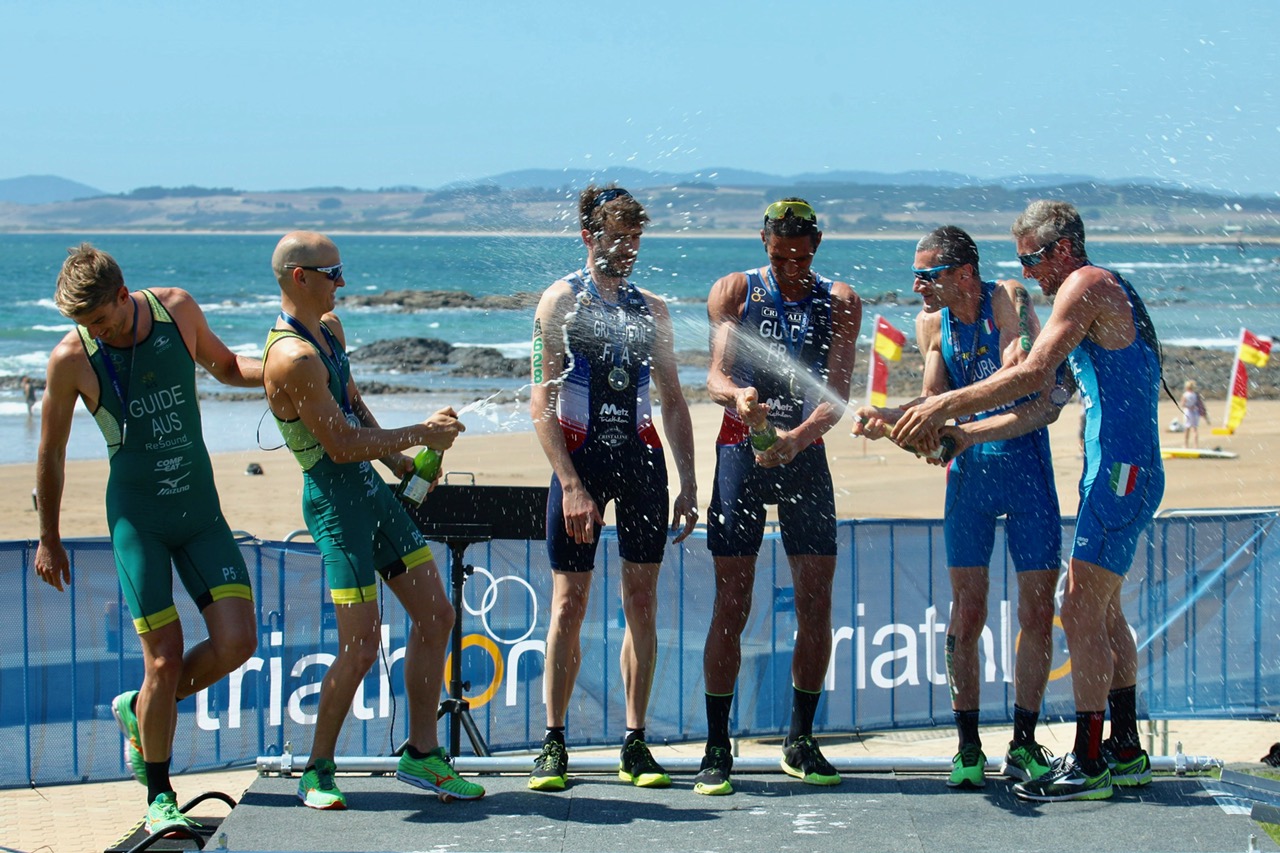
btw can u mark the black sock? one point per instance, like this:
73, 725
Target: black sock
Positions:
804, 705
719, 707
967, 728
414, 753
633, 734
1088, 746
1024, 726
554, 733
1123, 703
158, 779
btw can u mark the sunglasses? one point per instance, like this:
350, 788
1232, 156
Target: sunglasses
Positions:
931, 274
609, 195
1032, 259
783, 209
333, 273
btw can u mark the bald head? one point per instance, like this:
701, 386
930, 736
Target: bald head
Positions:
302, 249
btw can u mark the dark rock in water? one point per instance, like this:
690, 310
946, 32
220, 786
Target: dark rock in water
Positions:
404, 353
424, 300
486, 362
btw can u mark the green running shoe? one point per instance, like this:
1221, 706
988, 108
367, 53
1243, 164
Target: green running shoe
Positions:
433, 772
550, 768
637, 766
318, 790
122, 710
1133, 773
802, 759
1066, 781
967, 768
713, 775
1027, 761
163, 816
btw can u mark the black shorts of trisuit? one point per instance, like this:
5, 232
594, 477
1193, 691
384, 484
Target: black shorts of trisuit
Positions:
636, 480
801, 489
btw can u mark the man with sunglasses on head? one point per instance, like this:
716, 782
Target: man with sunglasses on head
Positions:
998, 464
131, 359
783, 342
1100, 326
599, 345
361, 530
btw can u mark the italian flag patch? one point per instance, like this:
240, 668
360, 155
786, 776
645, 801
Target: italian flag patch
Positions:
1124, 478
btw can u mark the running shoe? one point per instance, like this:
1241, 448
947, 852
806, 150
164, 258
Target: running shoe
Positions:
967, 768
1027, 761
122, 710
318, 790
163, 816
1126, 774
550, 768
713, 775
802, 759
638, 767
1066, 781
433, 772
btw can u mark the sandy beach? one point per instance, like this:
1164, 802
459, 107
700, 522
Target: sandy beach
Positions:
872, 479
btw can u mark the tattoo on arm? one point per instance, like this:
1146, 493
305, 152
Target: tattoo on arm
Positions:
1021, 299
537, 351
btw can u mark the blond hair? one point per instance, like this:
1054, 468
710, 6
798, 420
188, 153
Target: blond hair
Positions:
89, 278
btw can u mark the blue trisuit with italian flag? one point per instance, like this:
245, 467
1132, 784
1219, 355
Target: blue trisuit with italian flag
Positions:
1123, 479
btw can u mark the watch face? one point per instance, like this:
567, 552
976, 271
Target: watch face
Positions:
1059, 395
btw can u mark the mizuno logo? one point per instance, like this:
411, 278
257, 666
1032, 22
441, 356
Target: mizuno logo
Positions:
173, 483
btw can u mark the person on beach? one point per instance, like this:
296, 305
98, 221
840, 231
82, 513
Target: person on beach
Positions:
29, 395
1193, 410
362, 531
600, 345
1100, 326
132, 359
999, 464
783, 344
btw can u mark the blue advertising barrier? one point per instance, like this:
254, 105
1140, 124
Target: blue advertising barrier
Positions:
1200, 598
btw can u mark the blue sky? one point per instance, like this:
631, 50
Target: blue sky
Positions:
274, 95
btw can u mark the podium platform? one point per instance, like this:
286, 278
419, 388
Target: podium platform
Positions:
768, 812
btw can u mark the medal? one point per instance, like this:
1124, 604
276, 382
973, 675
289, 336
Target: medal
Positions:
618, 379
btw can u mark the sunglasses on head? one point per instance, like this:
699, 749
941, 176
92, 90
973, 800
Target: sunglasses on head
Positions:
1031, 259
931, 274
783, 209
609, 195
333, 273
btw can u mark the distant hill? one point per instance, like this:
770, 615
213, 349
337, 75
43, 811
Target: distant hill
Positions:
43, 189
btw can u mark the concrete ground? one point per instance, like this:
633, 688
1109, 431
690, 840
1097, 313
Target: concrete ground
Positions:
84, 818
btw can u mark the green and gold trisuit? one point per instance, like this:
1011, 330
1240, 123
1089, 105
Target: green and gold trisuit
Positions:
356, 521
161, 502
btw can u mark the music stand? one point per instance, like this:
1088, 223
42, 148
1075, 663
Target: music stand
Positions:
459, 516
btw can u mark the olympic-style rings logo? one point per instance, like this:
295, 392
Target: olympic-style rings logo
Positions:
488, 601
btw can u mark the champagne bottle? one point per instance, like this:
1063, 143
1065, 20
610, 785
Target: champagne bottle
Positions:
945, 450
415, 485
763, 436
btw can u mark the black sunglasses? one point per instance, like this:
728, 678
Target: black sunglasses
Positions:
609, 195
333, 273
1031, 259
931, 274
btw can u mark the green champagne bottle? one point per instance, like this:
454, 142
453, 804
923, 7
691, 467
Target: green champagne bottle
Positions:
415, 485
763, 436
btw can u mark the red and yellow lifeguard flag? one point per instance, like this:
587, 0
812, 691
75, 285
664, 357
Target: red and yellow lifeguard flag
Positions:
1255, 350
878, 381
888, 341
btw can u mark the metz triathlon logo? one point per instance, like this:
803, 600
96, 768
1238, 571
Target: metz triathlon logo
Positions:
611, 414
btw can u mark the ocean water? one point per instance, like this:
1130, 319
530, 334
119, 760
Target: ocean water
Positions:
1198, 295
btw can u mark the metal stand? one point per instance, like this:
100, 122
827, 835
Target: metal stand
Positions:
456, 706
459, 516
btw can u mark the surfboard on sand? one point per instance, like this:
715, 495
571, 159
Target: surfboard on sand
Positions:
1196, 453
